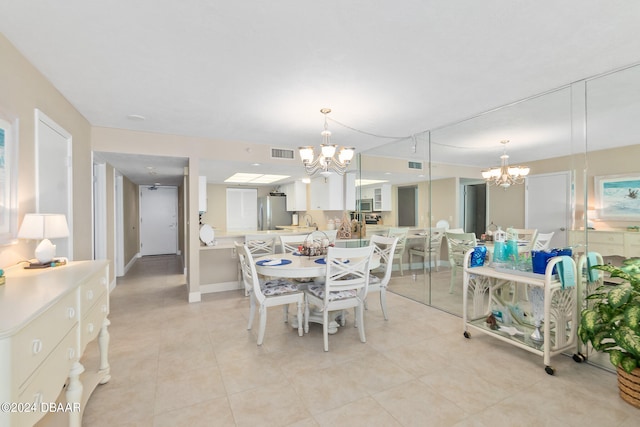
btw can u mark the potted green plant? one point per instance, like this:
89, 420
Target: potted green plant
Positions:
611, 323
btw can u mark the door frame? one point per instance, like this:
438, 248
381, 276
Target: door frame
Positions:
42, 119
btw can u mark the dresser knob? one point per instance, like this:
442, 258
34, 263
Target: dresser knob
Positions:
72, 312
104, 308
36, 346
90, 328
72, 353
89, 294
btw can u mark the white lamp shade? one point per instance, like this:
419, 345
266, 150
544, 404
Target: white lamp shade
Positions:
43, 226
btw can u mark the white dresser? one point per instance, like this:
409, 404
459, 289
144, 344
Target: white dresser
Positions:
47, 317
607, 242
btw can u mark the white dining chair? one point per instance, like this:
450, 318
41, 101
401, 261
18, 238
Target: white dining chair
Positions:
384, 247
401, 234
525, 237
543, 241
458, 244
346, 285
290, 244
261, 244
430, 247
269, 293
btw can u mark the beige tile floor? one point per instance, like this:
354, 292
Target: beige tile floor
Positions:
180, 364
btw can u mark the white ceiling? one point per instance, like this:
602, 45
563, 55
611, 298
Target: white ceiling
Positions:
259, 72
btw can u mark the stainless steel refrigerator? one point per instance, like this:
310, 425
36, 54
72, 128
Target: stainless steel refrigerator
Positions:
272, 211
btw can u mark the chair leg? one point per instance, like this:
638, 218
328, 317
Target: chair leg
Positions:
263, 324
300, 318
383, 302
325, 329
453, 278
285, 309
437, 261
252, 310
401, 272
306, 316
360, 316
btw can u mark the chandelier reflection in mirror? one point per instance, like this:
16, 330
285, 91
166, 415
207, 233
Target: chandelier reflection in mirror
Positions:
505, 175
326, 162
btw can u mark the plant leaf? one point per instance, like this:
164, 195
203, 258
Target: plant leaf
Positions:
619, 296
632, 317
615, 357
628, 364
628, 340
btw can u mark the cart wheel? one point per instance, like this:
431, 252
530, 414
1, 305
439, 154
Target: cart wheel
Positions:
549, 370
466, 334
579, 357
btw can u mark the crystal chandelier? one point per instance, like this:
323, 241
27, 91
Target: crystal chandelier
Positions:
326, 160
505, 175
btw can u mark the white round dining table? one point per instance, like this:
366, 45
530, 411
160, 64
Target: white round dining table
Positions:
304, 267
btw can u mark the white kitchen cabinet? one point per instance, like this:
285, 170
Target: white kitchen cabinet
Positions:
350, 191
327, 193
202, 193
382, 198
296, 196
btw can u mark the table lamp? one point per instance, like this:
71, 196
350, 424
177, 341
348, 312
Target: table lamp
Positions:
43, 226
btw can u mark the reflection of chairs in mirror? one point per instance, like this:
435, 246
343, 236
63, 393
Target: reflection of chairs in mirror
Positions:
385, 247
401, 234
543, 241
268, 293
443, 223
458, 244
429, 249
260, 244
345, 287
525, 237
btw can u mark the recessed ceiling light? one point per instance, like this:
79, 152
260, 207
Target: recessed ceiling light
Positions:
137, 117
361, 182
254, 178
255, 164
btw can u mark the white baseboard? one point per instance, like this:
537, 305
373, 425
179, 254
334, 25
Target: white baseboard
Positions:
219, 287
131, 262
195, 297
112, 285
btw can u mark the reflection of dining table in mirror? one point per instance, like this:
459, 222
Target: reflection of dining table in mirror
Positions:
303, 269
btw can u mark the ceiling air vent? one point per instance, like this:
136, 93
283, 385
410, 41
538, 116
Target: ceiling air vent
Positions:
282, 153
415, 165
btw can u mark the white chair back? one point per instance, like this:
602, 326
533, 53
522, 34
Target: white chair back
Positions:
260, 244
347, 276
385, 247
289, 244
543, 241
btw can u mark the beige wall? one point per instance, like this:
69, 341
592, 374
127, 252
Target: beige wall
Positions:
23, 89
131, 208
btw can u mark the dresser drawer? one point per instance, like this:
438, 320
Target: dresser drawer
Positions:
46, 383
92, 321
612, 238
91, 291
32, 345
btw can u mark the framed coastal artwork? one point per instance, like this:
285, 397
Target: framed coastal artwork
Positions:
618, 196
8, 179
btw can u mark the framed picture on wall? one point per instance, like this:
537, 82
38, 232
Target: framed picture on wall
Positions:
618, 196
8, 179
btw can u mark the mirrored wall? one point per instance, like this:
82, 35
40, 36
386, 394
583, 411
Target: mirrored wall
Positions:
574, 139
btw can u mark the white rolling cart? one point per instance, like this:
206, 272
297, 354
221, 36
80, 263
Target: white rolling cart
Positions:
486, 286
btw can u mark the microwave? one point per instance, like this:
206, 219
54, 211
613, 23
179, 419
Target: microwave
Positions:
365, 205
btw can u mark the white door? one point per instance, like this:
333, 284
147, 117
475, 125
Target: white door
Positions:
158, 220
547, 201
54, 176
